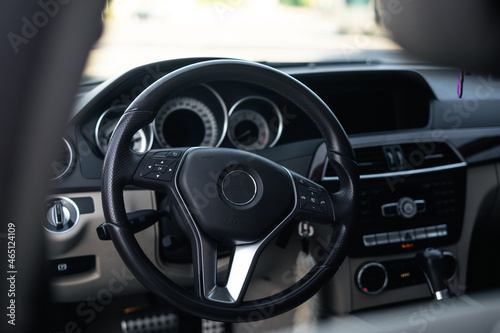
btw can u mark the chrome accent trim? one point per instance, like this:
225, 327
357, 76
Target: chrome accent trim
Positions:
441, 294
320, 158
388, 205
77, 217
275, 110
363, 268
454, 275
254, 188
403, 173
71, 160
116, 108
224, 112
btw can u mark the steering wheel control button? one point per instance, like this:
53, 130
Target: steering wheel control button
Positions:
149, 167
61, 214
311, 197
239, 187
372, 278
159, 168
176, 153
313, 208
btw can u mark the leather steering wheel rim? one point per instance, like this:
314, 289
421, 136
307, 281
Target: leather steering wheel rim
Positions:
117, 172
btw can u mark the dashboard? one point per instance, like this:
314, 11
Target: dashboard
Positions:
424, 158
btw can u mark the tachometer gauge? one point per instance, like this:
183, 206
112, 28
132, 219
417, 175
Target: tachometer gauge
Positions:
254, 123
184, 122
248, 130
141, 141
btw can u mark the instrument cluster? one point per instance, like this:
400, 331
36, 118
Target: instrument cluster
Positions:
199, 116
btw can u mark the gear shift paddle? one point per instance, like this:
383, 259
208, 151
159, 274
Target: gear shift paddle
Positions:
432, 263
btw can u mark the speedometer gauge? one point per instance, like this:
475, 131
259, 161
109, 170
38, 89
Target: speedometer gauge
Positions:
141, 141
186, 121
255, 123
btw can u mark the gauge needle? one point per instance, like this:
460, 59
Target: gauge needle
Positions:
243, 134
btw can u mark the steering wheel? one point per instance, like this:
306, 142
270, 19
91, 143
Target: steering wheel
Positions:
229, 197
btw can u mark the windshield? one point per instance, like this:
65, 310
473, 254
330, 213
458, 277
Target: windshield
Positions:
137, 32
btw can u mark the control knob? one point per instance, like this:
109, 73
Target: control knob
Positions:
372, 278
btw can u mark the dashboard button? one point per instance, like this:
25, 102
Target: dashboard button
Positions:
369, 240
420, 233
382, 238
441, 230
431, 232
71, 265
394, 237
407, 235
420, 206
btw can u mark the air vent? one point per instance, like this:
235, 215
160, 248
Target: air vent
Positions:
408, 157
63, 160
423, 155
371, 160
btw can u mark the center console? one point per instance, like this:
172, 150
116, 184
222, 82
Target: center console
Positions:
412, 197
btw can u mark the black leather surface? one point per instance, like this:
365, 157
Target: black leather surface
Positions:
120, 165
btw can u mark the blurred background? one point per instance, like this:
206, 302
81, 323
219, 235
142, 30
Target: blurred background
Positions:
137, 32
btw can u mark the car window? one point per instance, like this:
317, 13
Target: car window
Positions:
138, 32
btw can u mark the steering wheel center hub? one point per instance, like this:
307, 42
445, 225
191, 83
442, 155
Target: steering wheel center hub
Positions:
234, 196
239, 187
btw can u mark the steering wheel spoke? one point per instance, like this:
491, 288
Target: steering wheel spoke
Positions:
242, 263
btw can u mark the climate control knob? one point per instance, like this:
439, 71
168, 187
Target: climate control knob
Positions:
407, 207
372, 278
